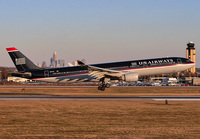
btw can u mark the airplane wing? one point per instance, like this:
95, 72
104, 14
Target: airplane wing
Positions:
99, 73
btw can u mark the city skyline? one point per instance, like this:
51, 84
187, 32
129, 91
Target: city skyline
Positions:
99, 31
55, 62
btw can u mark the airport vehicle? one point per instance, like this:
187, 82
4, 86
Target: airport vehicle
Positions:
156, 83
128, 71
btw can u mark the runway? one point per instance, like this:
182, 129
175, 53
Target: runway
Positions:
101, 98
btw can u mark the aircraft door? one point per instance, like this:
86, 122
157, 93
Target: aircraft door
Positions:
46, 73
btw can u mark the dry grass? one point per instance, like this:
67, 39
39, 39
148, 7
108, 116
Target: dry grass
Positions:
99, 119
110, 91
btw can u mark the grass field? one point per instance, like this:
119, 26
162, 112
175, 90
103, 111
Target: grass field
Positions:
101, 119
150, 91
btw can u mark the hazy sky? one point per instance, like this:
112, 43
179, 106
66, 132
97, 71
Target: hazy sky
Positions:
98, 30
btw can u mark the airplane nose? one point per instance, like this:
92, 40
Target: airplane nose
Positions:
192, 65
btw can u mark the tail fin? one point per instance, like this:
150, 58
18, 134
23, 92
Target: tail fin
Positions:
22, 63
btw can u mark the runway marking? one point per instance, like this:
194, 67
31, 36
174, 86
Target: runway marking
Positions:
177, 99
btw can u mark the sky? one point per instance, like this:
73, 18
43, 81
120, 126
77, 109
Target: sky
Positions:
98, 30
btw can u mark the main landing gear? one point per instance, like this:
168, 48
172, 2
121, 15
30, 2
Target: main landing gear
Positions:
103, 85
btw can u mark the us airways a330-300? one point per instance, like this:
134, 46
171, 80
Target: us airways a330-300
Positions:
128, 71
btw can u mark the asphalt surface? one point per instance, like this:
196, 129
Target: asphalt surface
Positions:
102, 98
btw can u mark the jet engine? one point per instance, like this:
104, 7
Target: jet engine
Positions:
130, 77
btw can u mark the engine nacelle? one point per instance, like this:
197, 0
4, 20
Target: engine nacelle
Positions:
130, 77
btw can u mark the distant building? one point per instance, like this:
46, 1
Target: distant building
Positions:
191, 55
18, 79
61, 63
54, 56
53, 61
44, 64
39, 65
75, 63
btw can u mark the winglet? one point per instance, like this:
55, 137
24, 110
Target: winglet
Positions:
11, 49
81, 63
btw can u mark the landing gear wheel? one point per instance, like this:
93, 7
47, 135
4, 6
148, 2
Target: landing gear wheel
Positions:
107, 85
102, 88
99, 87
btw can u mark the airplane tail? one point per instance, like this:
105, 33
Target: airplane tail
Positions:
22, 63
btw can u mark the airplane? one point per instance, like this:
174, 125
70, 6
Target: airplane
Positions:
128, 71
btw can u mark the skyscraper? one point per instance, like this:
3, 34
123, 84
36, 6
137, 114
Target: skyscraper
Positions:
54, 56
53, 61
